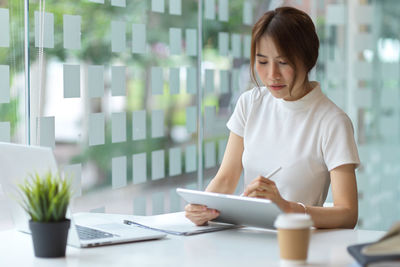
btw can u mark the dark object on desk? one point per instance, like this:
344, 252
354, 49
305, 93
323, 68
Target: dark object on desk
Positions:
364, 260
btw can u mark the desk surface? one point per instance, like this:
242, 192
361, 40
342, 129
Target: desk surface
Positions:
237, 247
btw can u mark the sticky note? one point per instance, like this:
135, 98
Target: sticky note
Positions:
247, 13
118, 125
209, 81
138, 38
139, 168
210, 160
364, 14
174, 80
157, 6
157, 123
209, 9
119, 172
224, 81
74, 172
336, 14
139, 206
209, 118
72, 80
72, 31
221, 149
175, 162
191, 42
223, 10
5, 131
223, 43
174, 201
157, 81
95, 80
175, 7
175, 41
190, 158
246, 46
157, 165
191, 119
4, 27
235, 80
119, 3
97, 1
236, 45
139, 125
96, 129
157, 203
191, 82
118, 81
118, 36
47, 22
4, 84
46, 131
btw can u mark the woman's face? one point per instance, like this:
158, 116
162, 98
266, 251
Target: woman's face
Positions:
277, 74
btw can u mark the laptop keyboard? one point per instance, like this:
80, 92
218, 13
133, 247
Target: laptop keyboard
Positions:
86, 233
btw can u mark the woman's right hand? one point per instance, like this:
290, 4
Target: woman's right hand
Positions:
199, 214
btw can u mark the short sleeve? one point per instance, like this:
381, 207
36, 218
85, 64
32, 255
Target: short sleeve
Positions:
339, 145
237, 121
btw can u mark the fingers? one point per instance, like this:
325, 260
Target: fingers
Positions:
259, 184
200, 214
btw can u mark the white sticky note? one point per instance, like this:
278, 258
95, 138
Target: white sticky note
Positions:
46, 131
157, 165
174, 81
190, 158
157, 6
96, 129
118, 125
209, 118
95, 82
364, 14
139, 125
363, 70
363, 41
139, 206
72, 31
191, 119
175, 7
223, 10
236, 45
235, 80
174, 201
209, 9
224, 81
119, 172
72, 80
221, 149
175, 41
191, 42
118, 36
210, 160
209, 81
5, 131
247, 13
157, 82
191, 80
119, 3
246, 46
139, 168
336, 14
74, 172
138, 38
157, 200
97, 1
4, 84
363, 98
118, 82
47, 22
5, 27
157, 123
175, 161
223, 43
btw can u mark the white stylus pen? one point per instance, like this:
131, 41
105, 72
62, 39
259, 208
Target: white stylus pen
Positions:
269, 175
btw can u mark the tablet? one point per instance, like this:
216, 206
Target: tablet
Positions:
233, 209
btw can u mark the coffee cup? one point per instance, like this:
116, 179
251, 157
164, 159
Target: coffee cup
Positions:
293, 237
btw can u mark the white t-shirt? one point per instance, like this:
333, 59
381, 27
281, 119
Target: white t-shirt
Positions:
308, 138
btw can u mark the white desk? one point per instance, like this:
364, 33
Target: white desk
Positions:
238, 247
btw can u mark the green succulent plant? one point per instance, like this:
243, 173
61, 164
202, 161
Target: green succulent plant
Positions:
45, 198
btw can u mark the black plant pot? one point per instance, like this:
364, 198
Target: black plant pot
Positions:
49, 238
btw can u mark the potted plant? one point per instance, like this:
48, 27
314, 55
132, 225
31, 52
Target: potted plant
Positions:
46, 198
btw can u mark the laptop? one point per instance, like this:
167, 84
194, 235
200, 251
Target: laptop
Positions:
233, 209
18, 161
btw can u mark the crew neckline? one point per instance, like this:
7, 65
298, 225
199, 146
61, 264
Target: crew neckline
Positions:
306, 100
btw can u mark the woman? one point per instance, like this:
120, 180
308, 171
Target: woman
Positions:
289, 123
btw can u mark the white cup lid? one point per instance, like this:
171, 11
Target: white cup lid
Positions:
293, 221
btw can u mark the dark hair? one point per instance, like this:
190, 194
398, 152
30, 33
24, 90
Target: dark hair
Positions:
294, 35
